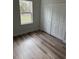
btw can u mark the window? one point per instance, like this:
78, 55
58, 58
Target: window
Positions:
26, 13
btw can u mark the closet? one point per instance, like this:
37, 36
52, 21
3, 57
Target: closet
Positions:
53, 18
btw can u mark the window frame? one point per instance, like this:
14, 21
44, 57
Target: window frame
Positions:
32, 14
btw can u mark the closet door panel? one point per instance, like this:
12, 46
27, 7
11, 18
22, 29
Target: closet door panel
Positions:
58, 20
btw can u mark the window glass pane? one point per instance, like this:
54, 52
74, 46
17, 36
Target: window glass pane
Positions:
26, 13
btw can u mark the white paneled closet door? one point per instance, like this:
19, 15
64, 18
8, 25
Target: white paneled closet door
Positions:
58, 26
53, 17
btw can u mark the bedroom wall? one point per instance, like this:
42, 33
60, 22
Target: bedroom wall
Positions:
20, 29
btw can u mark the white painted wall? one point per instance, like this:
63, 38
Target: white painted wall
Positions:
20, 29
45, 21
53, 17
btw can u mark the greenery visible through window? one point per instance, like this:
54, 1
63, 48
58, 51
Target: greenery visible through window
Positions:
26, 12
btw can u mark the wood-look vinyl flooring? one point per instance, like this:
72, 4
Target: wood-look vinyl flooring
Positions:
38, 45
